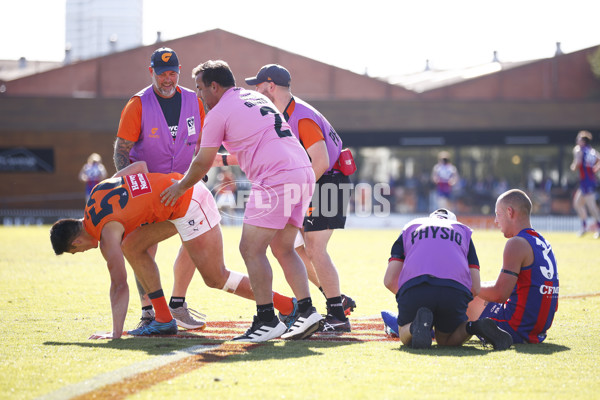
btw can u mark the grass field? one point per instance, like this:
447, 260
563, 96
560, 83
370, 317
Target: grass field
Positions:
51, 305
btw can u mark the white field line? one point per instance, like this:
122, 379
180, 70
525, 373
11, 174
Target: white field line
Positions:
78, 389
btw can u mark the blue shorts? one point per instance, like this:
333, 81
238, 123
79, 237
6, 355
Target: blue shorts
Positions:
587, 187
496, 311
448, 305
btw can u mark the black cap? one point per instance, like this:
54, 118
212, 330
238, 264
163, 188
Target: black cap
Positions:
164, 59
271, 73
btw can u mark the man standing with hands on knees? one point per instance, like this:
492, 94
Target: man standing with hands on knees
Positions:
249, 126
323, 145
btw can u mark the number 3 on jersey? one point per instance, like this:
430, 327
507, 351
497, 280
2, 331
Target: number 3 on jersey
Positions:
548, 269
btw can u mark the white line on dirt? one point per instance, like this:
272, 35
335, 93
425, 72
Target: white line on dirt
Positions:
78, 389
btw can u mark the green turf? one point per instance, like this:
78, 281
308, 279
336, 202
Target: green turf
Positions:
50, 305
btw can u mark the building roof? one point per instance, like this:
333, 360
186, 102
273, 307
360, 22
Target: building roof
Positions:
15, 69
564, 77
122, 74
431, 78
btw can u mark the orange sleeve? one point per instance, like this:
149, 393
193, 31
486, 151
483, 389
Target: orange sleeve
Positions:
130, 125
202, 115
309, 132
202, 112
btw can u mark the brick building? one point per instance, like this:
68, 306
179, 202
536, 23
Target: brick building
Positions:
51, 121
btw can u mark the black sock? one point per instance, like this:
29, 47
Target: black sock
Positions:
147, 308
335, 308
322, 291
469, 328
176, 302
304, 305
265, 312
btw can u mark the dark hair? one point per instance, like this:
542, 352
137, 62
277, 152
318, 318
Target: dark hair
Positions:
63, 233
215, 71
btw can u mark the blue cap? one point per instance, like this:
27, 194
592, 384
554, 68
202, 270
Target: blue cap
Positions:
271, 73
164, 59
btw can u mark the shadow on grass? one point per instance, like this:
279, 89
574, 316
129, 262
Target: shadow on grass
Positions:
260, 351
152, 346
541, 348
475, 348
281, 350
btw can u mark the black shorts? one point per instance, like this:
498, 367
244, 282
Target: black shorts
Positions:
448, 305
329, 205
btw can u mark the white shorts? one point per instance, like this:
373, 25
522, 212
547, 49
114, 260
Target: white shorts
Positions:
202, 214
299, 240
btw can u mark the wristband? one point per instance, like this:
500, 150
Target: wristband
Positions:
224, 157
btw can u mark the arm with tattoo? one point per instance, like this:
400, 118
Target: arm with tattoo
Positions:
121, 154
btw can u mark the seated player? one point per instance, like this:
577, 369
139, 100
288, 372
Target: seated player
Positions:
523, 299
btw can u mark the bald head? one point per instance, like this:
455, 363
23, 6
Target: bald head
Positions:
517, 200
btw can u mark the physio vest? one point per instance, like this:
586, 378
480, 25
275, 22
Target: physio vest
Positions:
332, 140
156, 145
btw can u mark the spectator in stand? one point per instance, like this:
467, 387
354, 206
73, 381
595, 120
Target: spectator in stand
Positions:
92, 172
445, 176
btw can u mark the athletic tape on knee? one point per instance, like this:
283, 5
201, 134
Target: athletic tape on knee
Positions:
299, 241
233, 281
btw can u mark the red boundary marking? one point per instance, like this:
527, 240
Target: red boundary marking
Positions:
144, 380
363, 330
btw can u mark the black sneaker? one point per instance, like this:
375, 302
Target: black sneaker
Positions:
261, 331
332, 324
421, 329
348, 304
489, 332
304, 326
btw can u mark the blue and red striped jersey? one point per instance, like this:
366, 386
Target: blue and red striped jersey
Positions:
531, 306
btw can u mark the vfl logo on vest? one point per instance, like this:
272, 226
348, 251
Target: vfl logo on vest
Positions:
191, 125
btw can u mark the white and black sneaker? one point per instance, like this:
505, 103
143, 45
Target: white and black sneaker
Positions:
332, 324
261, 331
304, 326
